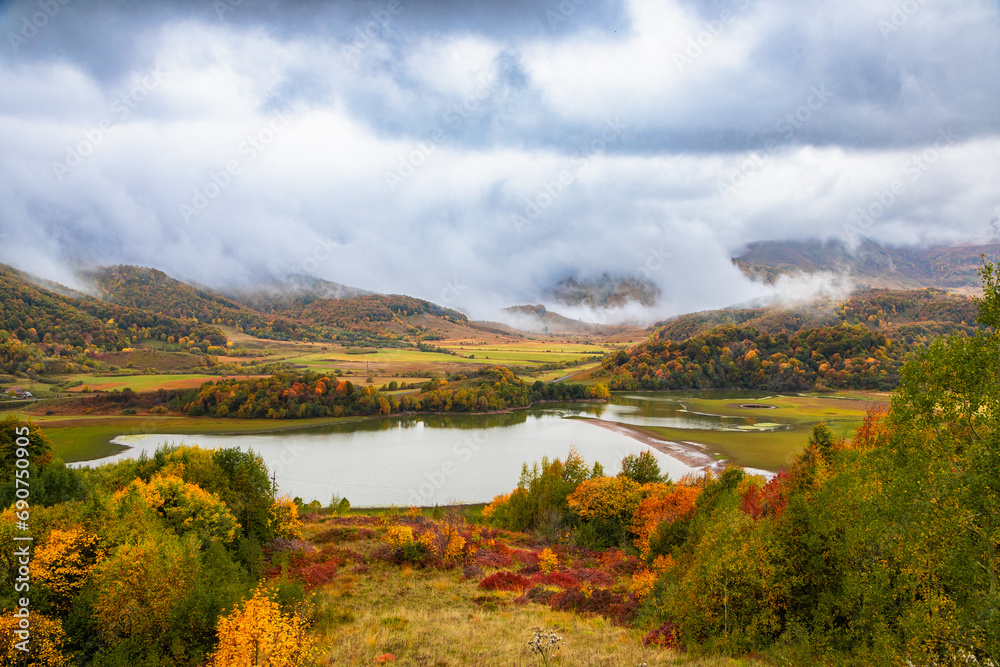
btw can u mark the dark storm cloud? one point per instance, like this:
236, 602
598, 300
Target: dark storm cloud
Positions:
473, 153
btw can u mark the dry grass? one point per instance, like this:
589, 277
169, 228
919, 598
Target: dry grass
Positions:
431, 617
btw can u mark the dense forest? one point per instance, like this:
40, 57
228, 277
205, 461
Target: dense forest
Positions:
304, 395
877, 550
859, 343
844, 357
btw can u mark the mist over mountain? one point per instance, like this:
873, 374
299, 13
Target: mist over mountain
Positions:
869, 263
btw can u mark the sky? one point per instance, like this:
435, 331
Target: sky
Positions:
474, 153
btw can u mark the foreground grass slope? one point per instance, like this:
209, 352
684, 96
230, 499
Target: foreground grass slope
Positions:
373, 609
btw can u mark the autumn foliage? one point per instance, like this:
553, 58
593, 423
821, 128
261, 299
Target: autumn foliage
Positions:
663, 504
259, 633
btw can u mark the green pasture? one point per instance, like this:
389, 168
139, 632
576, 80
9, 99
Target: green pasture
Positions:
767, 450
790, 409
772, 449
549, 376
386, 358
138, 382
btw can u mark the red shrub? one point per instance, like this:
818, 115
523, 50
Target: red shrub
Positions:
618, 606
593, 577
505, 581
617, 563
561, 579
525, 557
487, 558
318, 574
665, 636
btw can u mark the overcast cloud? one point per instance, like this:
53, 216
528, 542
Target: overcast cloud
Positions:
473, 153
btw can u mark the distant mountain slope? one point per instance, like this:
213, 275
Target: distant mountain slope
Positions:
538, 318
362, 311
924, 311
607, 291
31, 312
150, 289
870, 264
292, 291
299, 314
61, 330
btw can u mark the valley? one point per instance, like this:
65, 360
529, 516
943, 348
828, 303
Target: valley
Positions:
566, 474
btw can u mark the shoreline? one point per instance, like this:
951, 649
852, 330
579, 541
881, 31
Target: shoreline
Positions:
688, 454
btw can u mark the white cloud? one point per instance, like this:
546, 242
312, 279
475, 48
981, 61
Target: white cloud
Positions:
314, 196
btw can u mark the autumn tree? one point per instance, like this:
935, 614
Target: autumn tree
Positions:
187, 507
641, 468
140, 586
259, 633
47, 643
63, 563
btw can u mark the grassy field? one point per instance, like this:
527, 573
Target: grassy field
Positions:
390, 360
568, 373
140, 382
428, 616
775, 449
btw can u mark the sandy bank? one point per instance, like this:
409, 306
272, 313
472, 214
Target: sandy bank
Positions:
687, 453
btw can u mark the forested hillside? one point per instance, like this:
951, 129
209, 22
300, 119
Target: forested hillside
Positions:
859, 343
731, 357
154, 291
41, 330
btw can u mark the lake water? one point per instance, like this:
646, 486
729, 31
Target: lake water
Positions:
445, 459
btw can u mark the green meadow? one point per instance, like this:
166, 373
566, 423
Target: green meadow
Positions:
771, 449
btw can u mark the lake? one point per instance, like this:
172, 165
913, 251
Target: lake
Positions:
444, 459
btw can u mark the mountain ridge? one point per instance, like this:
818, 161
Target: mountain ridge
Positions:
871, 264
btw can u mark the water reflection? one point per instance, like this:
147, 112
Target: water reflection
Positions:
667, 411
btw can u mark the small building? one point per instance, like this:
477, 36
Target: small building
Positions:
17, 392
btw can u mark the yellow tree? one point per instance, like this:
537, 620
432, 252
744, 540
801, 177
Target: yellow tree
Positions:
46, 643
606, 498
258, 633
186, 507
64, 562
285, 518
140, 584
